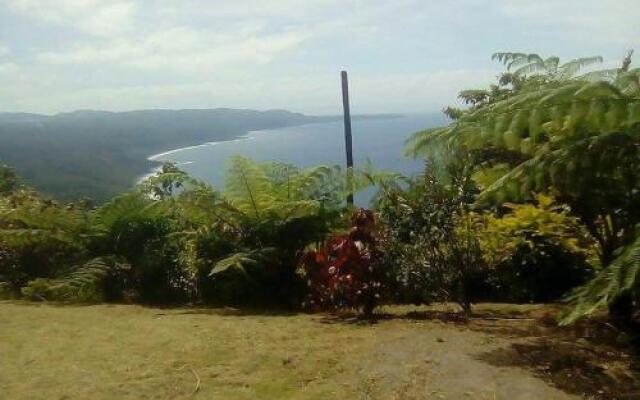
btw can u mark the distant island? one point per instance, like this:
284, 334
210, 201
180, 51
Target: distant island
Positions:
97, 154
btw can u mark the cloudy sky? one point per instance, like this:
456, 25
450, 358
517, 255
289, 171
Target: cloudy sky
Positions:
402, 55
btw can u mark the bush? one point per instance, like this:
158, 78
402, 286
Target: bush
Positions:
345, 272
430, 240
11, 276
58, 290
538, 251
39, 238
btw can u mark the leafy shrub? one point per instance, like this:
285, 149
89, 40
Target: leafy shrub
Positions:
57, 290
577, 137
40, 237
83, 283
539, 252
10, 274
616, 287
245, 242
9, 181
430, 239
345, 271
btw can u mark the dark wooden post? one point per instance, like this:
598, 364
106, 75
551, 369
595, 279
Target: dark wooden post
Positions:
347, 135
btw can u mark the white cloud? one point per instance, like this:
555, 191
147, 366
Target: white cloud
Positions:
181, 49
614, 22
402, 54
94, 17
313, 94
4, 50
6, 69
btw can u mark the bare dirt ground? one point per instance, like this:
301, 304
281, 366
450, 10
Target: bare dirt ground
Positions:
131, 352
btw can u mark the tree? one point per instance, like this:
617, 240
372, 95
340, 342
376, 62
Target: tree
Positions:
522, 64
8, 180
620, 279
276, 211
576, 138
429, 239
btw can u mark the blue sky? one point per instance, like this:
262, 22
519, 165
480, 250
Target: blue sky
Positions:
402, 55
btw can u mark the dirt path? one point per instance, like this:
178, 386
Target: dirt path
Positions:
437, 361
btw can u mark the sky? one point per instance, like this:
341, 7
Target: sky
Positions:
402, 55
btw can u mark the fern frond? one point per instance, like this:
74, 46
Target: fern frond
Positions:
248, 187
557, 168
240, 260
620, 277
82, 282
569, 69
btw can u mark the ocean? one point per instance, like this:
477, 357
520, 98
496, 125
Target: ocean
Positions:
378, 140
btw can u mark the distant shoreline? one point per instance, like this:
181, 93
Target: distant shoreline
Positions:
247, 135
157, 158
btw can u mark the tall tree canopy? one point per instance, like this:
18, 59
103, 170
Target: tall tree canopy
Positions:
542, 129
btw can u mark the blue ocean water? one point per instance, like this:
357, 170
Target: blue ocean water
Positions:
379, 140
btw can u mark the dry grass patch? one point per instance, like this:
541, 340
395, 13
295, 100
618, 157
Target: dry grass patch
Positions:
133, 352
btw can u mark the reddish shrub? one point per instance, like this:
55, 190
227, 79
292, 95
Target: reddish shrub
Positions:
344, 273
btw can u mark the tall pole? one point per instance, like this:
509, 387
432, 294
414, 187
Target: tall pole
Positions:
347, 135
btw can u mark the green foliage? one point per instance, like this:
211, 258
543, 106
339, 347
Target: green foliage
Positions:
430, 238
532, 64
84, 283
40, 236
548, 131
620, 278
166, 183
8, 180
273, 189
537, 252
273, 212
173, 239
524, 223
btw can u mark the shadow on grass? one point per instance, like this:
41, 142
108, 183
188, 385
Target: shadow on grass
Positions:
44, 303
168, 309
512, 323
576, 367
232, 311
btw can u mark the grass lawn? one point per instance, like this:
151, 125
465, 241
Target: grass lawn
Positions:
133, 352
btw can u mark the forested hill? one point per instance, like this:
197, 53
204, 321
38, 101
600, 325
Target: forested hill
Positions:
97, 154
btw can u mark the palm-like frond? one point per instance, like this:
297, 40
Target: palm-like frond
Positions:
620, 277
532, 118
240, 260
531, 64
569, 168
127, 207
248, 187
569, 69
81, 283
37, 221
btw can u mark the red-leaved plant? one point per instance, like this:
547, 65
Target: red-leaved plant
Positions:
344, 272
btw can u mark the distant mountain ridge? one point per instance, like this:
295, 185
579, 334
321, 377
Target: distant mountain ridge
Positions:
96, 154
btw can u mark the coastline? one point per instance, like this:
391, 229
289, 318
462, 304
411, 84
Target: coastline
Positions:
249, 134
158, 158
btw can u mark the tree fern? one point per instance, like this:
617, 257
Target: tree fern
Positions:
622, 276
248, 187
240, 260
532, 64
81, 283
30, 219
578, 138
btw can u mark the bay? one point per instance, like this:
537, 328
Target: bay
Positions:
379, 140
